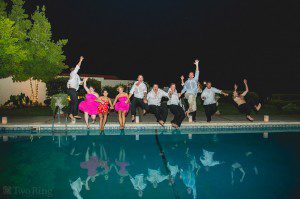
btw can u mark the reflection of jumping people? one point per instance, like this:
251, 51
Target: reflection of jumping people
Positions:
155, 177
208, 159
245, 106
76, 186
104, 163
138, 183
189, 180
91, 164
173, 172
122, 172
238, 166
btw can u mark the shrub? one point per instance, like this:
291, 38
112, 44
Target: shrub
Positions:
19, 100
63, 101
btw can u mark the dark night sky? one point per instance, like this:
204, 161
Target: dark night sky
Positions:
256, 39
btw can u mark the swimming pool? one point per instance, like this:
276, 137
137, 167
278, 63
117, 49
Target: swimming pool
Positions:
161, 164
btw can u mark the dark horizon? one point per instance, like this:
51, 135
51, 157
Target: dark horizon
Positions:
233, 40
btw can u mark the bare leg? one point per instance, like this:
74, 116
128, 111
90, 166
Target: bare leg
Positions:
120, 118
87, 183
87, 154
101, 121
86, 119
93, 118
103, 152
123, 155
243, 172
104, 120
123, 118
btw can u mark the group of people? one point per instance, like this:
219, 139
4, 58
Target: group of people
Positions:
181, 104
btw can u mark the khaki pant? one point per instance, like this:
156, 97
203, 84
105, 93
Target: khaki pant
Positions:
191, 98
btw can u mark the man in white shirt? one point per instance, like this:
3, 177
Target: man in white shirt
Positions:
208, 95
139, 92
154, 104
190, 88
174, 106
73, 85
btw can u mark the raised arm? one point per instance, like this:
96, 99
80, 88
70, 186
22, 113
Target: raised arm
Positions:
246, 88
80, 61
182, 80
84, 85
197, 69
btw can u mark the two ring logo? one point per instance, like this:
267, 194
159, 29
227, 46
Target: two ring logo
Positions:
6, 190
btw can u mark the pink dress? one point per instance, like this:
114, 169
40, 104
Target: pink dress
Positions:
89, 105
91, 165
122, 165
121, 105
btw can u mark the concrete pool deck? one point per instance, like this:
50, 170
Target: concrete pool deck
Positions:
148, 122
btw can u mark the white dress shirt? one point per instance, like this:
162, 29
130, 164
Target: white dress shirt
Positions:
209, 95
155, 98
173, 99
138, 91
191, 85
74, 80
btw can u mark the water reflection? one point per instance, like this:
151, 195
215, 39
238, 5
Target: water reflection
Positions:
164, 166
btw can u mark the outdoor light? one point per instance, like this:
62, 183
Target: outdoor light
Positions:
266, 118
266, 135
137, 119
5, 138
204, 83
4, 120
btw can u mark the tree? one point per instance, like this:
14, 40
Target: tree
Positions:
46, 58
27, 49
11, 52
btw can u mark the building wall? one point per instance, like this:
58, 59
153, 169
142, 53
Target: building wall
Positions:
8, 88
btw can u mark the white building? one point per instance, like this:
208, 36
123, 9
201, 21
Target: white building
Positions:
8, 87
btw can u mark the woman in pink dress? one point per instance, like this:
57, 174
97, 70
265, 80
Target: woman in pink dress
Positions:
121, 106
89, 106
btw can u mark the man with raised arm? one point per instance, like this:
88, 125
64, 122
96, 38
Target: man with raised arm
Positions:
154, 104
190, 89
139, 92
73, 85
209, 97
245, 106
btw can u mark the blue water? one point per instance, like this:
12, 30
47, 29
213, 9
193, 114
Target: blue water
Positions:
44, 166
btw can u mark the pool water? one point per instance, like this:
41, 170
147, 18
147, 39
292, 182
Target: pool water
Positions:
242, 165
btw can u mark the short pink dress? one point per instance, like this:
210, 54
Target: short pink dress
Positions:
89, 105
121, 105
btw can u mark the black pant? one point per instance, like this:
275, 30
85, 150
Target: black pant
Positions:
178, 113
248, 106
137, 102
160, 112
74, 101
210, 110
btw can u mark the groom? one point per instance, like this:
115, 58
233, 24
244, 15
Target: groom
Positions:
73, 86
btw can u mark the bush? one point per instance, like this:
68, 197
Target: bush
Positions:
112, 91
63, 101
291, 108
20, 100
